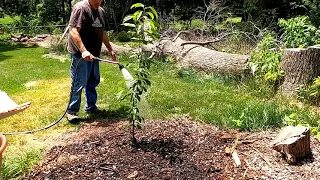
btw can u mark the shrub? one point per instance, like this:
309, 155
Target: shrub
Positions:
197, 24
310, 93
56, 31
265, 59
123, 36
1, 13
299, 32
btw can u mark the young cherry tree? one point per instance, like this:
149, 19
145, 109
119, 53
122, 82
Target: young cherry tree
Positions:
144, 29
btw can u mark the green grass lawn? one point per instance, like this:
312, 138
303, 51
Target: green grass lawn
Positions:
8, 20
218, 100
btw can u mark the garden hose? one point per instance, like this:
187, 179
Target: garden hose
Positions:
71, 90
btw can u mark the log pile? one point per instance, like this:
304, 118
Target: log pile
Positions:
25, 38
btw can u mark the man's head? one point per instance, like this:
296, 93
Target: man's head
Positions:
95, 3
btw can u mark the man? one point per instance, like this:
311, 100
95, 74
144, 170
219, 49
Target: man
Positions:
86, 34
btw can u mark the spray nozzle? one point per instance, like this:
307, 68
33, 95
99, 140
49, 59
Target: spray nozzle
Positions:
120, 66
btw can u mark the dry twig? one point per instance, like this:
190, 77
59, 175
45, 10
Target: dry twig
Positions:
260, 154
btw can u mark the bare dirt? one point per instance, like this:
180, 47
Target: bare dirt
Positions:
169, 149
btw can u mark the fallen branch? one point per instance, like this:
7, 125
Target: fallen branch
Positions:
260, 154
179, 33
217, 39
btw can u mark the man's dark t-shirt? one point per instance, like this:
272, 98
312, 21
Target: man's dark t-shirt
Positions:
92, 25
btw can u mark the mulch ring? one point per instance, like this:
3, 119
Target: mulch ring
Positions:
169, 149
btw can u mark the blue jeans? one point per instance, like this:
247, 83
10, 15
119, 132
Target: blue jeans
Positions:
84, 75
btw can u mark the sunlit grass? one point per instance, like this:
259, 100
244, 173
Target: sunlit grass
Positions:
220, 100
14, 166
9, 20
49, 99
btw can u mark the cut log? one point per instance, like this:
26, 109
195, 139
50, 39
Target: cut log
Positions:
199, 57
293, 142
301, 66
117, 49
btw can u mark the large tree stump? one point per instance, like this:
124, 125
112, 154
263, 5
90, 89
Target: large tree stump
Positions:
293, 142
301, 66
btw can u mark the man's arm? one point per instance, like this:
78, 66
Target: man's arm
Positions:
108, 45
74, 33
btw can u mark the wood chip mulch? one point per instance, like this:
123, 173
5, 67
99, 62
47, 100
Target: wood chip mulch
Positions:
169, 149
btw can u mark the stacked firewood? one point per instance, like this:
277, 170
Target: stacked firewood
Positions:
25, 38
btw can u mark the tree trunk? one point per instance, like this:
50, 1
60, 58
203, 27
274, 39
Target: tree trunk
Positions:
293, 143
63, 12
200, 57
70, 7
301, 66
196, 56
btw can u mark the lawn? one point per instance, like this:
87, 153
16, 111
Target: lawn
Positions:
218, 100
8, 20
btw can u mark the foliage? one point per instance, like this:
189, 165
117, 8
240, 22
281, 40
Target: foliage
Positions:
123, 36
265, 59
144, 31
20, 164
210, 98
44, 11
19, 7
310, 93
310, 8
259, 116
300, 114
1, 13
197, 24
299, 32
6, 20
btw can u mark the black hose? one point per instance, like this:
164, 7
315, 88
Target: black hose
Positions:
57, 121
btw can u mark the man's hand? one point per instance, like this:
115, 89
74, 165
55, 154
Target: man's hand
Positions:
86, 55
113, 56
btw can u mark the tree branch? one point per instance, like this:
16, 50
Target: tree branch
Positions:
217, 39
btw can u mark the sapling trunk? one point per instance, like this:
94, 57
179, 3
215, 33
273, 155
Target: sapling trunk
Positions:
145, 27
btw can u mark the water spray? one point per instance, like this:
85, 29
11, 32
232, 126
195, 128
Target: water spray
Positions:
125, 73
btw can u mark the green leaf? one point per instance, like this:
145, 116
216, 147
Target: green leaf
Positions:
137, 15
147, 82
151, 15
129, 25
137, 5
153, 11
127, 18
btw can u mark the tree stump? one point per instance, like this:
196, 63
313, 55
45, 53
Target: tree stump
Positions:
301, 66
293, 142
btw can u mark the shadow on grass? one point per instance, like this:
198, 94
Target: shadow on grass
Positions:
110, 115
10, 46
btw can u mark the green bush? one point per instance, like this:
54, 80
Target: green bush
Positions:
265, 59
1, 13
112, 36
197, 24
310, 93
179, 25
299, 32
123, 36
56, 31
258, 117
